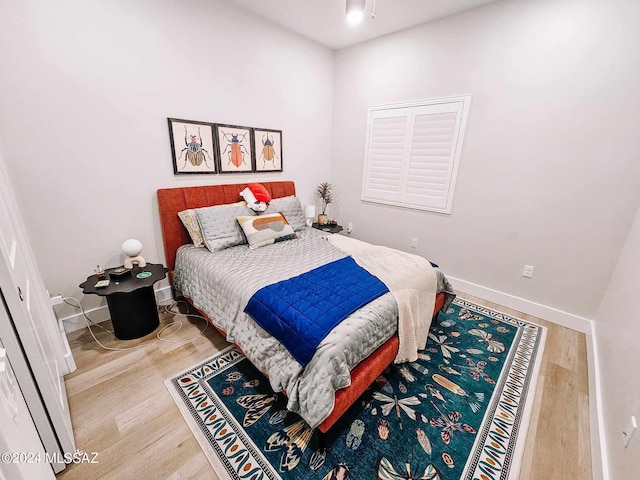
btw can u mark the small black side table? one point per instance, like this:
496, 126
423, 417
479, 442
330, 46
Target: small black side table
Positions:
328, 228
131, 300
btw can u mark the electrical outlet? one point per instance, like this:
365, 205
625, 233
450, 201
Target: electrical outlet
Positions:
350, 227
528, 271
629, 430
56, 299
414, 243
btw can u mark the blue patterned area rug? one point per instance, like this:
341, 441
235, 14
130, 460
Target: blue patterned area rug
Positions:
460, 412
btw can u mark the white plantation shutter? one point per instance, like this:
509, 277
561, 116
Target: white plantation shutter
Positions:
412, 153
387, 149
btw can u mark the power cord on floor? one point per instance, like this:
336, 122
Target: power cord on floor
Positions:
169, 309
84, 314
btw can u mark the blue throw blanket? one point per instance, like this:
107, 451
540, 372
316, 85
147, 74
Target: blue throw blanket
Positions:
302, 310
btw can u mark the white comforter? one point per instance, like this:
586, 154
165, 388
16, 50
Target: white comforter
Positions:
411, 280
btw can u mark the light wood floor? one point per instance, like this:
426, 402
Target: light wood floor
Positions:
121, 408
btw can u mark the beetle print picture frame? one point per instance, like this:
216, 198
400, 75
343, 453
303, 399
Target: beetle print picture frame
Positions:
268, 153
192, 146
235, 149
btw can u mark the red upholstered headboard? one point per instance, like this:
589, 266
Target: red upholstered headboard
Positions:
174, 200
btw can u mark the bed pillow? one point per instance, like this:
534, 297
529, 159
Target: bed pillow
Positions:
290, 207
219, 227
190, 221
264, 230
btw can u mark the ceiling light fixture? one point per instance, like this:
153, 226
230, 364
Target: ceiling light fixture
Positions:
355, 11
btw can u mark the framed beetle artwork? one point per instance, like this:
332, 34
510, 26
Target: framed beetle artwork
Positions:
234, 152
192, 146
268, 145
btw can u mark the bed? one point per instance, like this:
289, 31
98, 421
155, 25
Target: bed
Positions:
218, 285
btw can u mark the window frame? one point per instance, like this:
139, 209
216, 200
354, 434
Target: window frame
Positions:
453, 163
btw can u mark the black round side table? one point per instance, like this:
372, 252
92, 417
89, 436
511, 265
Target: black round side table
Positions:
331, 228
131, 300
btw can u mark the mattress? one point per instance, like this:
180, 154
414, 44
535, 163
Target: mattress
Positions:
221, 283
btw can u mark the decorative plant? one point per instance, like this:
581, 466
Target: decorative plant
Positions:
324, 192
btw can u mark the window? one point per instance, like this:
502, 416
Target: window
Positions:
412, 153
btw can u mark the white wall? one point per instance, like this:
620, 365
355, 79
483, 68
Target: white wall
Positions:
618, 333
85, 92
549, 173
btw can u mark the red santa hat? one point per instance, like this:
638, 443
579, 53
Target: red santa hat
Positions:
260, 192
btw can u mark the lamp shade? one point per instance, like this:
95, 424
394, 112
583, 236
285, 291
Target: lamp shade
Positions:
309, 211
132, 247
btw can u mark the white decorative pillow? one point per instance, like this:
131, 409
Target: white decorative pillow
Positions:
264, 230
190, 222
219, 227
291, 208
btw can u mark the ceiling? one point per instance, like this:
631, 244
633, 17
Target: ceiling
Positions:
325, 22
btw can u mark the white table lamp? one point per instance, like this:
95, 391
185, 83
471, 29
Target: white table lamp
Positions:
132, 249
309, 213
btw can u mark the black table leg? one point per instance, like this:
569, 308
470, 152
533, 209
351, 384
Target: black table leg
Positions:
133, 314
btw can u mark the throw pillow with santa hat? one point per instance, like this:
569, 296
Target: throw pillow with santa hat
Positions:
256, 196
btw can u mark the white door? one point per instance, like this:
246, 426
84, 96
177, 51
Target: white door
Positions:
36, 325
18, 436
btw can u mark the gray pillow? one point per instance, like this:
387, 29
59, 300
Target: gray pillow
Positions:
290, 208
219, 226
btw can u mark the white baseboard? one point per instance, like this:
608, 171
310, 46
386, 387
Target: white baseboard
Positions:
100, 314
599, 461
560, 317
